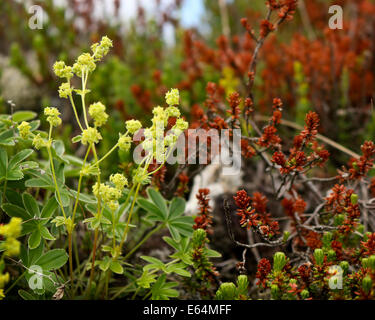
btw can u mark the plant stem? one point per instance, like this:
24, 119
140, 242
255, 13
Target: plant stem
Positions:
96, 230
155, 230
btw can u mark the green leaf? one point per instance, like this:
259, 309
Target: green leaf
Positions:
158, 200
116, 267
174, 233
65, 197
176, 208
34, 239
39, 183
3, 163
76, 139
52, 260
161, 290
46, 234
30, 205
49, 209
150, 207
7, 138
15, 211
20, 116
212, 253
18, 158
26, 295
14, 175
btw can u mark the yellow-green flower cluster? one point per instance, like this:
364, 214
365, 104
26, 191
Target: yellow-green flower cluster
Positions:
85, 63
108, 194
4, 279
38, 142
65, 90
62, 70
155, 141
133, 126
97, 112
124, 142
90, 135
173, 97
11, 231
53, 116
173, 112
101, 49
119, 180
24, 129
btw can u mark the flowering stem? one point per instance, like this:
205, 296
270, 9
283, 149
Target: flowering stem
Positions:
75, 111
54, 178
73, 218
129, 217
84, 81
106, 155
96, 230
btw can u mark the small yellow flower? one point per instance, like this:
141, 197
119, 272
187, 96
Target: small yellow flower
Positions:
133, 126
113, 205
2, 295
4, 279
173, 97
97, 112
24, 129
90, 135
12, 229
62, 70
65, 90
53, 116
124, 143
85, 63
101, 49
12, 247
118, 180
173, 112
38, 142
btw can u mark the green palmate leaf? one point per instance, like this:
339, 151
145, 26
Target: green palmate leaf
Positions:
30, 205
116, 267
15, 211
178, 268
151, 208
52, 260
39, 183
158, 200
162, 290
29, 227
176, 208
20, 116
49, 209
146, 280
34, 239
